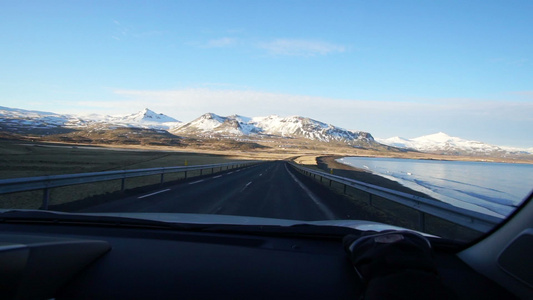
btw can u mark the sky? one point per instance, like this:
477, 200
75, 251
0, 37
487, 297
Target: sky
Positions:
391, 68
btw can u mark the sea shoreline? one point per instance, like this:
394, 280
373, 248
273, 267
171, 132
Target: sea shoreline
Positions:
328, 163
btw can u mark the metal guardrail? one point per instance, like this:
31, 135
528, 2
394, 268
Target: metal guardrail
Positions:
45, 183
460, 216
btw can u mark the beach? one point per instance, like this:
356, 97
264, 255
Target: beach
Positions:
327, 163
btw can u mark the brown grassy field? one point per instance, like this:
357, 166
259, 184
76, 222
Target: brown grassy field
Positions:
23, 159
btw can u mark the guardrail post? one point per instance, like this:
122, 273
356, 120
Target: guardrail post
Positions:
370, 199
212, 170
344, 189
185, 174
330, 182
162, 178
201, 172
46, 198
122, 184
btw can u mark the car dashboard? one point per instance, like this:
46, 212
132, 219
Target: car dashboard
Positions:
82, 261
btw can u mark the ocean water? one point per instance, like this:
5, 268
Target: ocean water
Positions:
490, 188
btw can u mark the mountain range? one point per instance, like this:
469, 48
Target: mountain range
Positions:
235, 127
15, 119
208, 125
441, 143
271, 126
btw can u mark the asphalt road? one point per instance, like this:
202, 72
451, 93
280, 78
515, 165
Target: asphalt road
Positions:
271, 190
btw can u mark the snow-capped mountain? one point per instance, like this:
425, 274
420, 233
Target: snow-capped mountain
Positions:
147, 115
212, 124
14, 119
207, 125
21, 120
294, 126
445, 144
145, 118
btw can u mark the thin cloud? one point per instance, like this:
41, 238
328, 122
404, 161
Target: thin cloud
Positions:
121, 31
300, 47
221, 42
276, 47
524, 94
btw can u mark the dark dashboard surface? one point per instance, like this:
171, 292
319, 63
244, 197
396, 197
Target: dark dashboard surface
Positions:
143, 263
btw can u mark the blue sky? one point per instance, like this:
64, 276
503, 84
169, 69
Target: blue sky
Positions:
392, 68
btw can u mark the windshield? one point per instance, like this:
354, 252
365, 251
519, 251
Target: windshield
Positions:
346, 113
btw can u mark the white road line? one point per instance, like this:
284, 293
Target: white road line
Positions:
261, 174
218, 176
162, 191
313, 197
246, 186
230, 173
195, 182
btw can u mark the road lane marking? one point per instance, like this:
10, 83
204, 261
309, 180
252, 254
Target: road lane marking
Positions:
330, 215
218, 176
230, 173
159, 192
194, 182
246, 186
261, 174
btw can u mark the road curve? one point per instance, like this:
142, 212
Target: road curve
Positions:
271, 189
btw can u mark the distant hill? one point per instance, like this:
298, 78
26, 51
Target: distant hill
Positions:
441, 143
